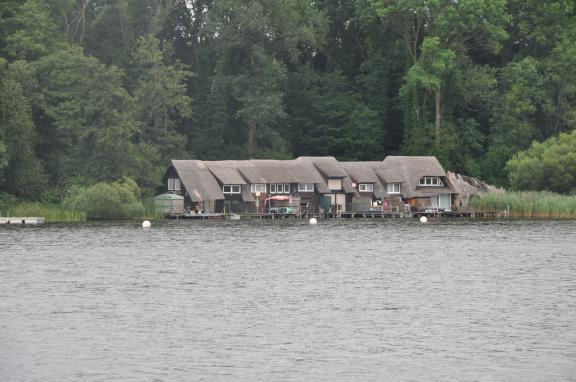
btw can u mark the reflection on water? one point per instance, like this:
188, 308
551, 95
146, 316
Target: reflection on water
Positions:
367, 300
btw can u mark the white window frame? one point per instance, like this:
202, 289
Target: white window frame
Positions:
229, 189
286, 188
258, 187
305, 187
173, 184
366, 187
431, 181
273, 188
393, 188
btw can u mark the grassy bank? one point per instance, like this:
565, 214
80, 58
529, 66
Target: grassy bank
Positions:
528, 204
52, 212
60, 213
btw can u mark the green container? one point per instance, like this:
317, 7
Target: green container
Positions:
169, 203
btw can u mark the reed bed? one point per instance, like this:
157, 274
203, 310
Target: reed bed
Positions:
60, 213
528, 204
51, 212
150, 212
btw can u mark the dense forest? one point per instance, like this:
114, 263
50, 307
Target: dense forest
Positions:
98, 90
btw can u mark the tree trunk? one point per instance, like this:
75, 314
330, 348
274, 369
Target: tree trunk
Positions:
437, 98
251, 139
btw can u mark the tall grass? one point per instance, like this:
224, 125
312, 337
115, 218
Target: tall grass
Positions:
528, 204
150, 212
51, 212
60, 213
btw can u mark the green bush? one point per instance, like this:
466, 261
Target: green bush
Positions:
546, 166
107, 201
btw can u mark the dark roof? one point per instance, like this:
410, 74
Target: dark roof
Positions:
198, 180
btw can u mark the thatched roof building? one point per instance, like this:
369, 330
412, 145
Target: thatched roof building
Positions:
244, 180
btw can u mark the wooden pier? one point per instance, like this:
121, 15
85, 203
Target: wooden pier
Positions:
340, 215
22, 220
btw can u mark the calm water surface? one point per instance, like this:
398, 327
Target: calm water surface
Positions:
373, 300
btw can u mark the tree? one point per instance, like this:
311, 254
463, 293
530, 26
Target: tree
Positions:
161, 100
91, 121
440, 38
255, 41
34, 32
21, 171
546, 166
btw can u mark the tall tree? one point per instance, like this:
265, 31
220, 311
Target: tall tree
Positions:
21, 171
161, 100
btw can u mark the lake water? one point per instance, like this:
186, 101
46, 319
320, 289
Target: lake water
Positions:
361, 300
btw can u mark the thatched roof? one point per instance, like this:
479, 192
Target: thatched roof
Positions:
409, 170
278, 171
198, 180
329, 167
201, 178
361, 172
225, 171
390, 175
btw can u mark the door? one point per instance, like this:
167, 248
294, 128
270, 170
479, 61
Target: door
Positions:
445, 202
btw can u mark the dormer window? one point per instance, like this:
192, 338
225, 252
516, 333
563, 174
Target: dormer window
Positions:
335, 184
283, 188
231, 189
431, 181
393, 188
258, 187
366, 187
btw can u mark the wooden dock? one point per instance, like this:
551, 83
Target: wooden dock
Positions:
22, 220
340, 215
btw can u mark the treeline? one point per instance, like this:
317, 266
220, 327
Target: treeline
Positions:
98, 90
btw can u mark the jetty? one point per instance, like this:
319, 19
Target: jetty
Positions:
341, 215
18, 220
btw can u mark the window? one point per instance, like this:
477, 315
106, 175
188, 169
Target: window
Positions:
366, 187
428, 181
257, 187
173, 184
335, 184
279, 188
231, 189
306, 187
393, 188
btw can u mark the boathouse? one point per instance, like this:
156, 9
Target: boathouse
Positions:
420, 181
310, 185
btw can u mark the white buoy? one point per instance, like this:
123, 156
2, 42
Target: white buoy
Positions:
423, 219
313, 221
146, 224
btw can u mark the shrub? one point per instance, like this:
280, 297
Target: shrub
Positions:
546, 166
107, 201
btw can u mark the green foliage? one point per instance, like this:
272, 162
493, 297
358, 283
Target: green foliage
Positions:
92, 91
21, 172
107, 201
550, 166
